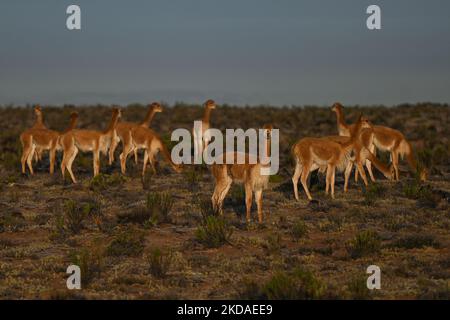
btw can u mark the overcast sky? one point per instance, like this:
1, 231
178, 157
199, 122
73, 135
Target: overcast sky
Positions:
234, 51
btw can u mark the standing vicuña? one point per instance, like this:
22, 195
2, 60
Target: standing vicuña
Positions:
313, 153
145, 138
385, 139
86, 141
248, 174
124, 128
40, 138
201, 137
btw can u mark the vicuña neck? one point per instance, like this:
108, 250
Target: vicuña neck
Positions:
73, 123
340, 118
354, 134
148, 118
206, 115
267, 150
39, 120
112, 124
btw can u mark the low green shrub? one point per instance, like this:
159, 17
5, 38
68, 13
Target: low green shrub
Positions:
213, 232
363, 244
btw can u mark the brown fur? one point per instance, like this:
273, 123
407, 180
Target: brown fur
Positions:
385, 139
123, 129
247, 174
313, 153
40, 138
201, 145
87, 140
145, 138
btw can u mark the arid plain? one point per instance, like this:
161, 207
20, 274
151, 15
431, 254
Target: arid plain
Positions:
153, 238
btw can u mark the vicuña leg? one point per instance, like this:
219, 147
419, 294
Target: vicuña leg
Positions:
96, 160
394, 155
52, 156
30, 158
112, 149
248, 200
72, 153
258, 199
25, 153
295, 177
127, 149
304, 179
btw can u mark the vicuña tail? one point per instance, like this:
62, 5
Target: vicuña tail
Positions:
168, 158
405, 149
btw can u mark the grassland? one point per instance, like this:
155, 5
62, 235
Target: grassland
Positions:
157, 238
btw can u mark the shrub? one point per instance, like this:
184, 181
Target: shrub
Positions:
425, 156
372, 192
249, 289
422, 193
74, 214
93, 209
139, 215
364, 243
159, 262
126, 244
192, 178
213, 232
433, 290
299, 230
300, 284
12, 221
103, 182
146, 180
273, 243
10, 161
59, 231
357, 289
416, 241
90, 263
206, 209
160, 205
412, 190
157, 209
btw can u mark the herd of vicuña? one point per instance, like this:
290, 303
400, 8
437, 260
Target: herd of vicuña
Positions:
356, 145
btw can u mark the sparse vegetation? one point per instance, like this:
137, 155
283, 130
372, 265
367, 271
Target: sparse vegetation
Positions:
364, 243
416, 241
74, 215
159, 262
127, 254
273, 243
157, 209
160, 204
90, 262
103, 182
300, 284
127, 243
299, 230
192, 177
147, 180
213, 232
357, 288
372, 193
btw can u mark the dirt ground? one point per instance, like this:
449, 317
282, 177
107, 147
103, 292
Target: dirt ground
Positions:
139, 238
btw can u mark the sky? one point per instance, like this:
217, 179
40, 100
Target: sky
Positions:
278, 52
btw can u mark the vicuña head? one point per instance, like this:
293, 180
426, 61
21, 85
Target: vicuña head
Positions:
336, 107
155, 107
361, 123
37, 108
210, 104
